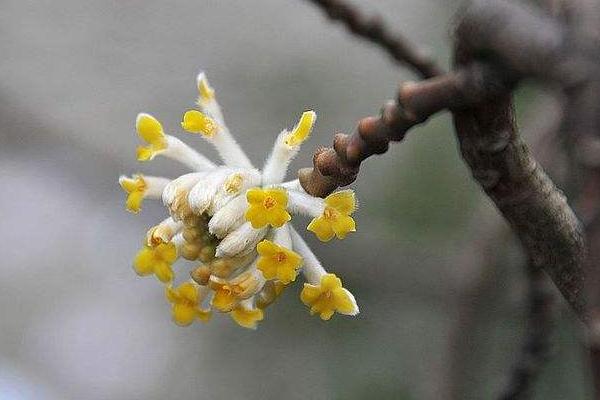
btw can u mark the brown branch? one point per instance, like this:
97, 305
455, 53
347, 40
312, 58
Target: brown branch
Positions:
536, 209
535, 348
374, 30
416, 102
475, 270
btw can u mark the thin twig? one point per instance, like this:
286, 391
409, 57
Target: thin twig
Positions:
374, 30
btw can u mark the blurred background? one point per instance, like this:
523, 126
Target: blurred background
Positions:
76, 321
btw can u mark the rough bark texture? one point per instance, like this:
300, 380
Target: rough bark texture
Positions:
534, 207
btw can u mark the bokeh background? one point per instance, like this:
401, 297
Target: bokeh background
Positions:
75, 320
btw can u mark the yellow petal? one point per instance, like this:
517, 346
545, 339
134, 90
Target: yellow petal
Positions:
223, 301
166, 252
267, 248
145, 153
134, 202
301, 131
310, 293
255, 196
172, 295
128, 184
163, 272
149, 129
330, 282
143, 263
343, 225
322, 228
267, 267
343, 201
183, 314
257, 216
247, 318
196, 122
189, 292
277, 217
344, 304
279, 195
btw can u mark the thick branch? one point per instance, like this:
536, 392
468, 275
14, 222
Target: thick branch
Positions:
534, 350
535, 208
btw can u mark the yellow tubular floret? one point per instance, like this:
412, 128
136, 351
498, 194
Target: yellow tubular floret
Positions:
151, 131
247, 317
196, 122
328, 297
277, 262
228, 294
302, 130
336, 219
185, 301
135, 187
156, 260
267, 207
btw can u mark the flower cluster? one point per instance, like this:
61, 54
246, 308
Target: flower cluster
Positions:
232, 222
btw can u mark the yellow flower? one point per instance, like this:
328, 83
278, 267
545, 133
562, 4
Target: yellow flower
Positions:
196, 122
328, 297
247, 317
156, 260
267, 207
135, 188
336, 219
277, 262
228, 294
301, 131
151, 131
186, 304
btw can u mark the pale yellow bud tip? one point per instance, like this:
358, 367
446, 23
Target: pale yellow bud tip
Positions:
205, 91
302, 130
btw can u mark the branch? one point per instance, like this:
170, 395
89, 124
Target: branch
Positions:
374, 30
536, 345
415, 103
536, 209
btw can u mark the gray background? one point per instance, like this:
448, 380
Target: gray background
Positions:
77, 323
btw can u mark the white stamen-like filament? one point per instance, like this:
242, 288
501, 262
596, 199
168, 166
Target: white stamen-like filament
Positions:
305, 204
312, 268
181, 152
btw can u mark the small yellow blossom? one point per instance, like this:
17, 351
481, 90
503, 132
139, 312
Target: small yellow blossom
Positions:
267, 207
186, 304
336, 219
156, 260
150, 131
277, 262
228, 294
196, 122
247, 317
328, 297
135, 187
301, 131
